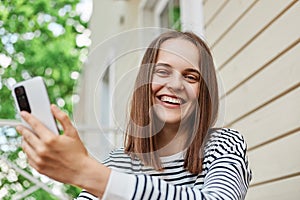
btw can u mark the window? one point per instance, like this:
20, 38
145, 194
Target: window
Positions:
170, 16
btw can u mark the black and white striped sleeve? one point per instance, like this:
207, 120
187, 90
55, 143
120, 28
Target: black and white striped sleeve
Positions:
84, 195
228, 177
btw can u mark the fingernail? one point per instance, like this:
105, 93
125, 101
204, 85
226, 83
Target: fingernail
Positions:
54, 106
19, 129
24, 114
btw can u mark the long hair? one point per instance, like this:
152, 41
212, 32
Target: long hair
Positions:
140, 137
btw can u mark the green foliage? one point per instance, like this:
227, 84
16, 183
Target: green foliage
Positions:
40, 39
37, 38
71, 190
41, 194
175, 18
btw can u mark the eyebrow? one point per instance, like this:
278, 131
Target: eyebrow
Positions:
163, 64
186, 70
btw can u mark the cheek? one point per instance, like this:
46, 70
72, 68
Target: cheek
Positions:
155, 87
193, 91
156, 84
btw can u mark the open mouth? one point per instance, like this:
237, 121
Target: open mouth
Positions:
171, 100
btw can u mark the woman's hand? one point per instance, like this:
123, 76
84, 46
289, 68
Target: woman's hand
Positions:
61, 157
57, 156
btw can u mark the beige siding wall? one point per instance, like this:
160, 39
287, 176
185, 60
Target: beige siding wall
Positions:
257, 52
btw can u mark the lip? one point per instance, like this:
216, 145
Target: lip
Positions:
169, 105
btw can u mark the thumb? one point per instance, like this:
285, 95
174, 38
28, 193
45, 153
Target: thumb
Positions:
65, 121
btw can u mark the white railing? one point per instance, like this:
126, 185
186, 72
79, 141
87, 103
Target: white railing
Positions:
9, 122
80, 128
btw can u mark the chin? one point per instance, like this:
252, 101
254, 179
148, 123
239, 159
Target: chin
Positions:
169, 118
173, 115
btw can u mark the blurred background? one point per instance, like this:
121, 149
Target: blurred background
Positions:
88, 53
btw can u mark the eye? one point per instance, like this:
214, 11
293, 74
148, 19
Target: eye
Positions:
162, 72
191, 78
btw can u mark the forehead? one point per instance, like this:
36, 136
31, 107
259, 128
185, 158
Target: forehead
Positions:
180, 50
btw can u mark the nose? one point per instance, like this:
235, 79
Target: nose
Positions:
176, 82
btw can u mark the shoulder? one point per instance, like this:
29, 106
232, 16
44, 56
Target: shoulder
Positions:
226, 134
117, 155
225, 141
117, 151
225, 156
119, 160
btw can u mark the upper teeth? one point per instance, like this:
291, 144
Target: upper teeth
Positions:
171, 100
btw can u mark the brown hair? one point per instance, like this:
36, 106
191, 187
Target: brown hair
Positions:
140, 134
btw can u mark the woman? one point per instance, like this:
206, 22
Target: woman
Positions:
171, 150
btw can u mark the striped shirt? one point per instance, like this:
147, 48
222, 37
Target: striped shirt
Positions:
225, 175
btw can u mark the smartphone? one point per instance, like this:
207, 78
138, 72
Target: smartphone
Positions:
31, 96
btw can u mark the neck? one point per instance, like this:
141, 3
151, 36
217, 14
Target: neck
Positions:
171, 139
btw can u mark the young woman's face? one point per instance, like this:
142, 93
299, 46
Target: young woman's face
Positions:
175, 83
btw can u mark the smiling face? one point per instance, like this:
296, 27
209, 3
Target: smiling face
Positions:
175, 82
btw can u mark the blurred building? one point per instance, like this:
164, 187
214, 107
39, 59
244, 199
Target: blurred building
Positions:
255, 45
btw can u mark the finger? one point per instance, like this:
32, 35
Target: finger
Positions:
29, 137
64, 120
35, 149
38, 128
33, 159
30, 152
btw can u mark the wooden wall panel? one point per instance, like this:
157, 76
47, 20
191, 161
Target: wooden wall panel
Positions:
211, 9
283, 161
272, 121
273, 80
226, 19
287, 189
275, 40
251, 24
256, 47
